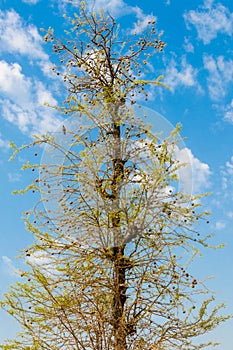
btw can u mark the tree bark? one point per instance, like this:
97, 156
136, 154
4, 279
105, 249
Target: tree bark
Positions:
119, 300
120, 288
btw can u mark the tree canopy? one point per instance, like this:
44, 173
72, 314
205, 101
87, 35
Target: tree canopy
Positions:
108, 267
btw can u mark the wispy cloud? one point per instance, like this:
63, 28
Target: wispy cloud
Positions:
4, 144
188, 46
180, 74
210, 20
14, 177
208, 4
23, 101
229, 166
114, 7
220, 225
31, 2
227, 178
220, 75
9, 267
228, 115
143, 20
118, 8
230, 214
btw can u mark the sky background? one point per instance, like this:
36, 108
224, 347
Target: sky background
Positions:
197, 65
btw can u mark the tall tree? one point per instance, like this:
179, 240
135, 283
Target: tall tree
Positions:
107, 269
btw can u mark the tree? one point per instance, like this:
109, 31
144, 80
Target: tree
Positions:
107, 269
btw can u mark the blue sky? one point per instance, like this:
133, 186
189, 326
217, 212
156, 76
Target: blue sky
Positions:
197, 64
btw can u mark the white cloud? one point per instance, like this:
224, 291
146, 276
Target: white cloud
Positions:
220, 225
4, 144
227, 178
220, 75
208, 4
188, 46
39, 258
23, 101
14, 177
210, 20
32, 2
44, 262
14, 84
43, 95
16, 37
180, 75
143, 20
229, 166
30, 121
224, 183
118, 8
230, 214
228, 116
114, 7
217, 203
195, 177
8, 266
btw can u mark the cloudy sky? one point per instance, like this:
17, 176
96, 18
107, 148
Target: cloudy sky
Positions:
197, 65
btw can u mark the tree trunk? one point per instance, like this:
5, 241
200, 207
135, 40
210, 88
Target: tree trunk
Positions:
120, 288
119, 300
